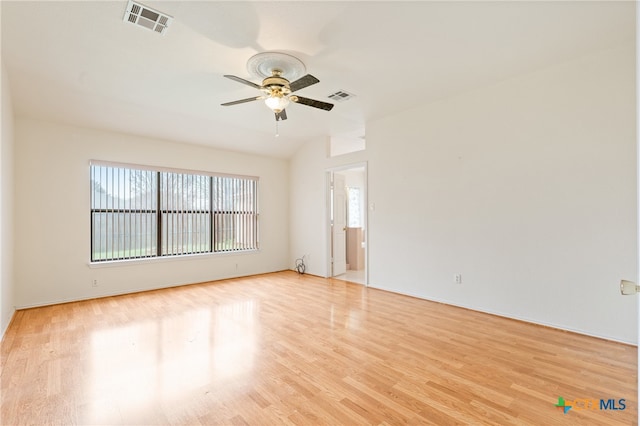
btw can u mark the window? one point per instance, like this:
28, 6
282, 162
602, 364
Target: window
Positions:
138, 212
353, 209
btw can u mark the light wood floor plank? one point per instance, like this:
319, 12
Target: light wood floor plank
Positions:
300, 350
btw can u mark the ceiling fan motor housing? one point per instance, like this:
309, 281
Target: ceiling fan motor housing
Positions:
276, 83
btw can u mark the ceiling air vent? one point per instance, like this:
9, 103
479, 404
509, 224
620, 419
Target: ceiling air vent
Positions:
146, 17
341, 96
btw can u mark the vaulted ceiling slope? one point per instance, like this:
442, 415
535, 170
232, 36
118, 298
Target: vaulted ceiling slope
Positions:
80, 63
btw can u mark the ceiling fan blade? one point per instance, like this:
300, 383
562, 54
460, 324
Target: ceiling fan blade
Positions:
241, 101
312, 103
282, 115
243, 81
303, 82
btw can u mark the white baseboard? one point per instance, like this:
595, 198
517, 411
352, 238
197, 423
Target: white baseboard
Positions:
6, 327
513, 317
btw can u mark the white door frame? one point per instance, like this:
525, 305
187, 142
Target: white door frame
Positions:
365, 194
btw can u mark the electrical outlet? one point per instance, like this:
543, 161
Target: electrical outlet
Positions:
94, 283
236, 266
457, 278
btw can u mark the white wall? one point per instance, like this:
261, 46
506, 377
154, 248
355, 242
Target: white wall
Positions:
53, 223
527, 188
6, 208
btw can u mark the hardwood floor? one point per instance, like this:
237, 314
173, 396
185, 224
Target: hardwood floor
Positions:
288, 349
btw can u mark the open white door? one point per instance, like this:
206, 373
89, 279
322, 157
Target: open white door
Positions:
339, 226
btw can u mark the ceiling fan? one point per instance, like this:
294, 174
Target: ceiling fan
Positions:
276, 88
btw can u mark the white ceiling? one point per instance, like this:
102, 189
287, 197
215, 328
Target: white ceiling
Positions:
79, 63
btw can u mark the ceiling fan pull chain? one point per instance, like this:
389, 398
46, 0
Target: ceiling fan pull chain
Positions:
277, 131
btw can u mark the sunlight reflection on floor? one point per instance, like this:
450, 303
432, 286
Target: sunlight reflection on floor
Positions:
147, 362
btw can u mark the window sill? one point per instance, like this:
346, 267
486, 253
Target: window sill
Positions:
180, 258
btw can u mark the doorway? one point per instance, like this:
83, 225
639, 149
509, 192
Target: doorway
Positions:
347, 214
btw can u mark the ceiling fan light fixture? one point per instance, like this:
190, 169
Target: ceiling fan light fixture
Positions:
277, 103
